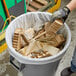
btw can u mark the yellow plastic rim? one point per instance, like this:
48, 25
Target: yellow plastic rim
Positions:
2, 35
3, 47
55, 7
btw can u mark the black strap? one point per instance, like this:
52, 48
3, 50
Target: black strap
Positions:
67, 11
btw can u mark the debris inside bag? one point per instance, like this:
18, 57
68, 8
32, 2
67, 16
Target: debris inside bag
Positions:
41, 50
29, 33
55, 40
39, 44
23, 51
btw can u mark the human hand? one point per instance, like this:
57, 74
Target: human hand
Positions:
60, 14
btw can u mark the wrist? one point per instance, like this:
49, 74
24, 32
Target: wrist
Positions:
70, 8
72, 5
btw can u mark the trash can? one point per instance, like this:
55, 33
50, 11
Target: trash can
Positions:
36, 67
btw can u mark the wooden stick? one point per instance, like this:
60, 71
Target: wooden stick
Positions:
24, 38
30, 47
40, 35
32, 43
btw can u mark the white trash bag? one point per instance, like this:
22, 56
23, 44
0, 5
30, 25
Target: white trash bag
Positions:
35, 20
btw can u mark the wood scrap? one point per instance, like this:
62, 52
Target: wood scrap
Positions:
17, 39
30, 47
31, 9
24, 38
39, 32
45, 50
56, 40
51, 49
42, 54
19, 43
53, 27
40, 35
29, 33
46, 25
23, 51
35, 5
44, 44
60, 39
44, 2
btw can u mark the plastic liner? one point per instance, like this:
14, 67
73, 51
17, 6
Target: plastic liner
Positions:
35, 20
